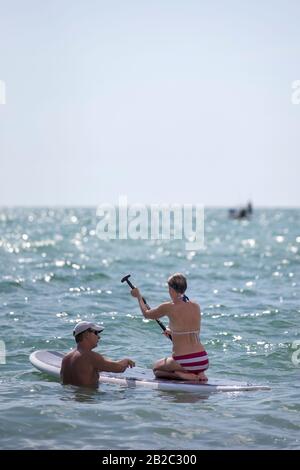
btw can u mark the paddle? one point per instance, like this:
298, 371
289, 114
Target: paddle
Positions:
126, 279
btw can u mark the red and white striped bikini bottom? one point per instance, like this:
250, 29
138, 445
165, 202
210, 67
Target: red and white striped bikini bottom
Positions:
194, 362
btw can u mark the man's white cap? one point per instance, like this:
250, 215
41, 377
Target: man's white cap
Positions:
86, 325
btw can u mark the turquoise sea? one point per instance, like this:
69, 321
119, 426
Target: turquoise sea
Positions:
54, 271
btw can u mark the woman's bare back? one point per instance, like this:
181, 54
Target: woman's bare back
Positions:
185, 323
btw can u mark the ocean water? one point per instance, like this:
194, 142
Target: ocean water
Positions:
54, 271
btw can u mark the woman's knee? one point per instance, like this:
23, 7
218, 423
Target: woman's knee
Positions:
161, 364
167, 364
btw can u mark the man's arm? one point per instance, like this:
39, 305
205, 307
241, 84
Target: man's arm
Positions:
103, 364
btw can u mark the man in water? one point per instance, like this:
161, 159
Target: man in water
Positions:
82, 365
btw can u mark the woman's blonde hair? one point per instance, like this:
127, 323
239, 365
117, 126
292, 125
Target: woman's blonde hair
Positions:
178, 283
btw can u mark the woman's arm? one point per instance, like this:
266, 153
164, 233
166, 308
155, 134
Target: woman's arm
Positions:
151, 313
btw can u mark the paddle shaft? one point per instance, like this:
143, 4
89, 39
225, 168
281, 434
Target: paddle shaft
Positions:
147, 305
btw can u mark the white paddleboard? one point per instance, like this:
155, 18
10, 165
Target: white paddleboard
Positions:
50, 362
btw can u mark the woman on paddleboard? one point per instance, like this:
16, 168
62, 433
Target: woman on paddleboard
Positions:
189, 360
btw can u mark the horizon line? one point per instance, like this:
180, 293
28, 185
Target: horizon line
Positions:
92, 206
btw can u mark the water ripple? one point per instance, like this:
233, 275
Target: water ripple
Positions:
55, 271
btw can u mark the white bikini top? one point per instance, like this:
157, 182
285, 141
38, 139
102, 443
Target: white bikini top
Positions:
196, 332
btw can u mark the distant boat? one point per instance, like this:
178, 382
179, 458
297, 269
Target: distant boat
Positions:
241, 213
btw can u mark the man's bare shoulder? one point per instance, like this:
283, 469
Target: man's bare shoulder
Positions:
69, 355
94, 357
85, 355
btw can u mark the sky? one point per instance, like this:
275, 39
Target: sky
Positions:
164, 101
